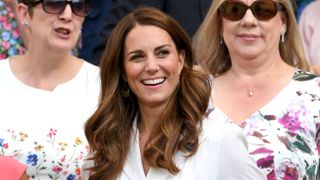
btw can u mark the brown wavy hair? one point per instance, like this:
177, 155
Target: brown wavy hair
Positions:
214, 57
110, 128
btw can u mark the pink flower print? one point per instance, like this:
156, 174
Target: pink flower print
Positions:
261, 151
265, 162
6, 44
7, 26
52, 136
52, 133
63, 159
291, 121
271, 175
79, 156
2, 56
11, 15
57, 169
15, 33
21, 50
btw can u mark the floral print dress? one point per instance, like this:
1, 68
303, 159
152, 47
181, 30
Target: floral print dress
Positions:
10, 41
283, 136
44, 129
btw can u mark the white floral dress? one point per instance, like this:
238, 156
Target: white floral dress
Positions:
283, 136
44, 129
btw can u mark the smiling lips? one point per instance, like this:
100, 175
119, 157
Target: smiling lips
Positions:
249, 36
154, 82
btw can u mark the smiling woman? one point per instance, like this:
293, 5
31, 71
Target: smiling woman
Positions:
151, 122
47, 94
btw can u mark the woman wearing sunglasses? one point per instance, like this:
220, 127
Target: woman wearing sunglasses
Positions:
253, 50
47, 94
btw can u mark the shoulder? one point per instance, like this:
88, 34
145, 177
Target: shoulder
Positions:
227, 145
218, 131
4, 61
92, 72
307, 81
313, 7
90, 67
4, 66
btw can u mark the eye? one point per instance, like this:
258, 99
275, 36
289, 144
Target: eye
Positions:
163, 53
136, 57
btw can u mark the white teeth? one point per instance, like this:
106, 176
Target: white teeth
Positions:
153, 81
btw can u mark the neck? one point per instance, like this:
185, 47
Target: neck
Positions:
253, 77
149, 118
44, 71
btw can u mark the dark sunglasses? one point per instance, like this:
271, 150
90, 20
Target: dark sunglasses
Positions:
263, 10
79, 7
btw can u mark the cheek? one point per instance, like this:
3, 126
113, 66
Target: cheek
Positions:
132, 72
175, 69
78, 23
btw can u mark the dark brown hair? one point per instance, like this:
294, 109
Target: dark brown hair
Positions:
110, 128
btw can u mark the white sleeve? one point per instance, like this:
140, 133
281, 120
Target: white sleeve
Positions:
235, 161
85, 173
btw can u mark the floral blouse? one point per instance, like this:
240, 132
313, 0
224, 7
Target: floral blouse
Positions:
10, 42
284, 135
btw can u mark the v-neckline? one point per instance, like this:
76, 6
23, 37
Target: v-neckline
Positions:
275, 100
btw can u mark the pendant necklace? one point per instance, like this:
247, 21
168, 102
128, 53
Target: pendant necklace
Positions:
250, 89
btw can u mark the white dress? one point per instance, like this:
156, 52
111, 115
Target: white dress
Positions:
44, 129
222, 155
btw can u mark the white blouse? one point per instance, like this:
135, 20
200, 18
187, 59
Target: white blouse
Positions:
222, 154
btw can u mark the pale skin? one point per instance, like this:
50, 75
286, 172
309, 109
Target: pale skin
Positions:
48, 61
152, 68
256, 65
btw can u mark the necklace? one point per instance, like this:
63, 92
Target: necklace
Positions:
250, 88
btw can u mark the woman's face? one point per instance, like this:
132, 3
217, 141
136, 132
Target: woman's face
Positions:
249, 37
58, 31
152, 64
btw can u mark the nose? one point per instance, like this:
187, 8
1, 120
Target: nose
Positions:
151, 64
249, 19
66, 13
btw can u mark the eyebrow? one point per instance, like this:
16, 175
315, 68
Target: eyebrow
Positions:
156, 49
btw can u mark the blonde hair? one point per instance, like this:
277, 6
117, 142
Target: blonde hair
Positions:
214, 57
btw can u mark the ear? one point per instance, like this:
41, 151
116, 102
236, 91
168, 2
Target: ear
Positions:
284, 24
23, 15
181, 56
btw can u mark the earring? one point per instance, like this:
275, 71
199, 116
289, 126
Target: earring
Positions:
25, 24
125, 91
282, 37
221, 40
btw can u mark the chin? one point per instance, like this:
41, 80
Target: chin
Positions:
156, 101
